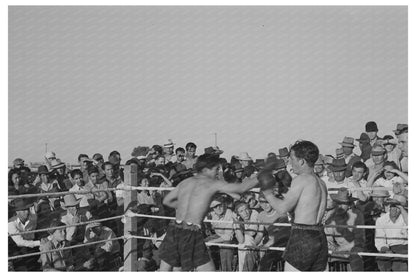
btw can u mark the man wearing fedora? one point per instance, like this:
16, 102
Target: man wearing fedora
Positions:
24, 220
346, 239
371, 129
350, 157
376, 163
393, 240
73, 216
365, 146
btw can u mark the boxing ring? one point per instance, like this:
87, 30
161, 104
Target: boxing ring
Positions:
130, 224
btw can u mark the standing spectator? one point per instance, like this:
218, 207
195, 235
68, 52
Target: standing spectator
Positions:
350, 157
365, 146
19, 165
248, 236
98, 161
376, 163
168, 151
224, 232
115, 158
371, 129
61, 260
393, 240
393, 152
178, 165
190, 157
346, 239
84, 163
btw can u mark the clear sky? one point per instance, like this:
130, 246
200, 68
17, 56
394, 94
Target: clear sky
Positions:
96, 79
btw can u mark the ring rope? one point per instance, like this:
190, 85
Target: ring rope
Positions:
279, 224
63, 248
392, 255
131, 188
66, 226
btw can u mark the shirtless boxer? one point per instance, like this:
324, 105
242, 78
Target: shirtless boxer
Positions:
307, 248
183, 245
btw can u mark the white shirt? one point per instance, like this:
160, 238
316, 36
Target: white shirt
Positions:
84, 197
389, 237
381, 182
351, 187
26, 240
224, 230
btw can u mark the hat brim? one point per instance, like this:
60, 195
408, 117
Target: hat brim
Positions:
24, 207
346, 144
335, 198
377, 153
58, 166
338, 168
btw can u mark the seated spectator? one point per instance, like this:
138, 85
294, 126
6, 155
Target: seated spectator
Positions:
46, 186
59, 175
346, 239
319, 167
274, 236
338, 168
145, 196
393, 240
79, 185
74, 234
106, 254
387, 177
98, 203
357, 180
248, 236
250, 198
61, 260
25, 220
19, 165
350, 157
16, 185
224, 232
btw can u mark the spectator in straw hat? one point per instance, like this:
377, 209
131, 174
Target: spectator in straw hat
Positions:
402, 137
73, 216
319, 167
61, 260
346, 239
49, 157
376, 163
59, 175
24, 220
393, 240
371, 129
244, 159
365, 146
393, 152
350, 157
168, 151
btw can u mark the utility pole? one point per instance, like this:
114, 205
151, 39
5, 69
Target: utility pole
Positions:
46, 147
215, 134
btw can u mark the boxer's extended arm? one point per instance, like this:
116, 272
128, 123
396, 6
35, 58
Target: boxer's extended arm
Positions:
290, 200
171, 199
228, 188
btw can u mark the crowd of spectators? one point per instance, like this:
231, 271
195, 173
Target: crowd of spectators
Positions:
367, 185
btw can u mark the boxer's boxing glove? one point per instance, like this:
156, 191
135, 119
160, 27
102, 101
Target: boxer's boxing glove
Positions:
266, 180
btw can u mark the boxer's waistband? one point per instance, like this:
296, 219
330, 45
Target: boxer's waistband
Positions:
186, 225
315, 227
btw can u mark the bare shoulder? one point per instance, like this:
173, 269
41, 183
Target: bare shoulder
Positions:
303, 180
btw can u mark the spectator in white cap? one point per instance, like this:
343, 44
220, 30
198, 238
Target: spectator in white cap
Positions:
168, 151
224, 232
244, 159
349, 156
49, 157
